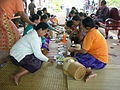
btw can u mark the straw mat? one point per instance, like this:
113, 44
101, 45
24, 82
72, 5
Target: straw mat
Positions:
107, 79
49, 77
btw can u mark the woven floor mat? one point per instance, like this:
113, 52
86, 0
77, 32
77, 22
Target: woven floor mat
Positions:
49, 77
107, 79
3, 56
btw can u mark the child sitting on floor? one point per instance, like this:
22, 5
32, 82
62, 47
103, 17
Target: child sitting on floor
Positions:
94, 52
26, 52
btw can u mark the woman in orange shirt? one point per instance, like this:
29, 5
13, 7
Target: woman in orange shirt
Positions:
8, 31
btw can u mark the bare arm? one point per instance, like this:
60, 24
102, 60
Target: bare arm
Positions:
83, 51
25, 17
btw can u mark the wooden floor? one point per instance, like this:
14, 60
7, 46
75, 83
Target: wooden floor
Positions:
51, 77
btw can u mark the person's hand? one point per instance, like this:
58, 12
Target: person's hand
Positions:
51, 60
71, 49
46, 44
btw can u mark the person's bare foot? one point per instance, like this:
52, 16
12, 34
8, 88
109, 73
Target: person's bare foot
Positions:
90, 76
16, 79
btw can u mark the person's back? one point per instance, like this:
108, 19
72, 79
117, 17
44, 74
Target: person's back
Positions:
24, 43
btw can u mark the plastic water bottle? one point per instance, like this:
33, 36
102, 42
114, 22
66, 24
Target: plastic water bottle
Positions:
64, 38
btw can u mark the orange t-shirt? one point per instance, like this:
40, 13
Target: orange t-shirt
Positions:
96, 45
11, 7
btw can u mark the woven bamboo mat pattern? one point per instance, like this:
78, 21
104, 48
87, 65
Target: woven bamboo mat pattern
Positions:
107, 79
3, 56
49, 77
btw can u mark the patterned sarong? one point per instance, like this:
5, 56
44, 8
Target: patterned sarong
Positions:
8, 32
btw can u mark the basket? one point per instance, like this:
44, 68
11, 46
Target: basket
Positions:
76, 70
67, 61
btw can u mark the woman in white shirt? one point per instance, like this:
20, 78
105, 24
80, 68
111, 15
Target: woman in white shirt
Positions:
26, 52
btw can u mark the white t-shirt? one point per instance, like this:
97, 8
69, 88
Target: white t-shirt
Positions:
28, 44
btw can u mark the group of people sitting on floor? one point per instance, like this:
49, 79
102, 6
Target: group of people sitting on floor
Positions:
94, 52
27, 54
84, 31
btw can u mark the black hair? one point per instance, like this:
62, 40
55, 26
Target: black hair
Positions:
69, 23
44, 17
72, 12
84, 14
44, 9
81, 14
103, 2
39, 12
31, 0
41, 25
73, 8
88, 22
76, 18
52, 16
34, 17
48, 14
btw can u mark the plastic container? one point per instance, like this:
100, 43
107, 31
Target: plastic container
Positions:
64, 38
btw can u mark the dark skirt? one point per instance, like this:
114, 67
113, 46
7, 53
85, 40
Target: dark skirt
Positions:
89, 61
29, 62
